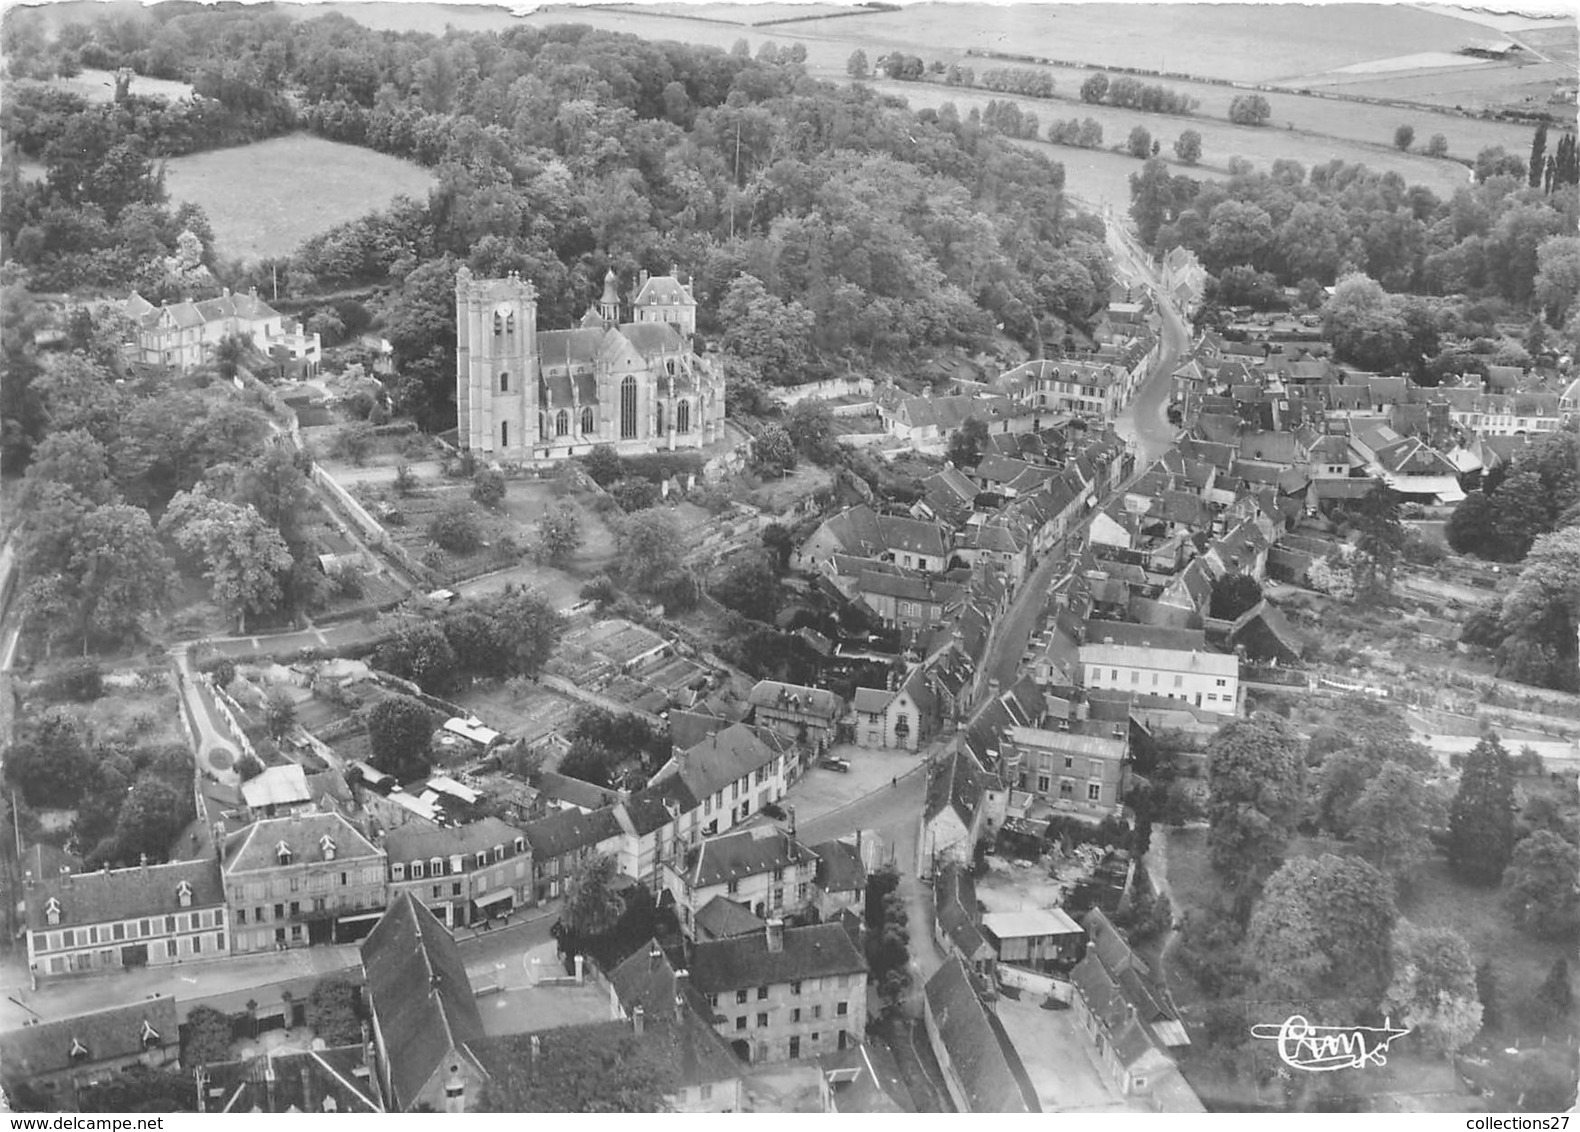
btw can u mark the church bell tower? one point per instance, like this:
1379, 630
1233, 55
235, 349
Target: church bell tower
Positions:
496, 365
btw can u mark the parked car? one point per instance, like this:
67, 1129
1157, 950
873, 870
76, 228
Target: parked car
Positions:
829, 762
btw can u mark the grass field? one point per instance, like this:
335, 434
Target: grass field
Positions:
99, 86
265, 199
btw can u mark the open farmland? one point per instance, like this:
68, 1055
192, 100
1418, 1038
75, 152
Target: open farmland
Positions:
1338, 118
99, 86
1103, 176
264, 199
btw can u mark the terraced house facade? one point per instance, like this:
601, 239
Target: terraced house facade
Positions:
302, 880
147, 916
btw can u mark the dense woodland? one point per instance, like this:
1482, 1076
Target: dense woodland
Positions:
822, 225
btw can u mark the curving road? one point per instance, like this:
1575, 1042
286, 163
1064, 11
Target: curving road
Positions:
1145, 421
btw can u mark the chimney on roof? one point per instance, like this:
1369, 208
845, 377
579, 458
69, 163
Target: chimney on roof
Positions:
790, 812
654, 954
776, 935
142, 862
638, 1020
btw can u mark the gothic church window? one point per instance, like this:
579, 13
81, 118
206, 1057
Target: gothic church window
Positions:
504, 383
499, 325
510, 323
562, 423
587, 419
659, 427
683, 417
628, 408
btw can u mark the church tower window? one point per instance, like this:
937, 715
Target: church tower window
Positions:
659, 424
499, 325
504, 383
504, 434
562, 423
587, 419
510, 323
683, 417
628, 408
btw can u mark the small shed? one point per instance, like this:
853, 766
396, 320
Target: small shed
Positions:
1039, 938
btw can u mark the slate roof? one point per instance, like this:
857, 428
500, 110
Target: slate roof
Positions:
124, 894
688, 728
568, 831
323, 1080
721, 759
257, 846
723, 918
955, 909
813, 701
646, 810
563, 788
811, 952
419, 994
579, 346
957, 785
1144, 636
839, 867
721, 859
983, 1059
647, 979
419, 841
664, 290
1114, 981
123, 1031
652, 337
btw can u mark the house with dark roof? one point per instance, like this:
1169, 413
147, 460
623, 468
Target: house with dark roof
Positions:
763, 868
957, 919
306, 879
784, 994
1128, 1017
558, 843
49, 1061
146, 916
663, 1004
562, 792
806, 715
901, 718
337, 1080
650, 820
860, 531
982, 1071
733, 773
423, 1012
956, 814
841, 878
463, 874
723, 918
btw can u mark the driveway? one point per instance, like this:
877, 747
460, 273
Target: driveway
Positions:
1059, 1060
208, 731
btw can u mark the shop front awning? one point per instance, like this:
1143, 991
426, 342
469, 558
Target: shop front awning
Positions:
492, 898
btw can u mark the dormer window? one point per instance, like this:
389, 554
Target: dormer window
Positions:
416, 870
149, 1036
79, 1052
282, 853
398, 871
327, 844
52, 910
458, 863
184, 894
436, 867
521, 845
499, 853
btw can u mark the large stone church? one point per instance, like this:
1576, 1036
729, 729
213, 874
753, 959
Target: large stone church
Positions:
633, 383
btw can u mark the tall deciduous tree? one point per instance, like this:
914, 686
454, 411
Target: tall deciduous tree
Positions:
1434, 986
1188, 147
1322, 930
1481, 819
592, 906
1254, 779
400, 732
649, 548
965, 446
1232, 595
1540, 884
243, 556
1393, 819
559, 534
1542, 611
584, 1069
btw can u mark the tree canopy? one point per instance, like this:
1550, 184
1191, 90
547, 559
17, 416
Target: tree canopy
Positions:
1481, 818
1255, 778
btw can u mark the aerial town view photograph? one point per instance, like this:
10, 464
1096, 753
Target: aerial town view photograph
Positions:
789, 557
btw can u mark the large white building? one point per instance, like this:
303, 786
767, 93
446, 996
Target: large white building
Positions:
1207, 680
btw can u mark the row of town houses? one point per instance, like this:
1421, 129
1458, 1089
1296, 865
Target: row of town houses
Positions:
293, 865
